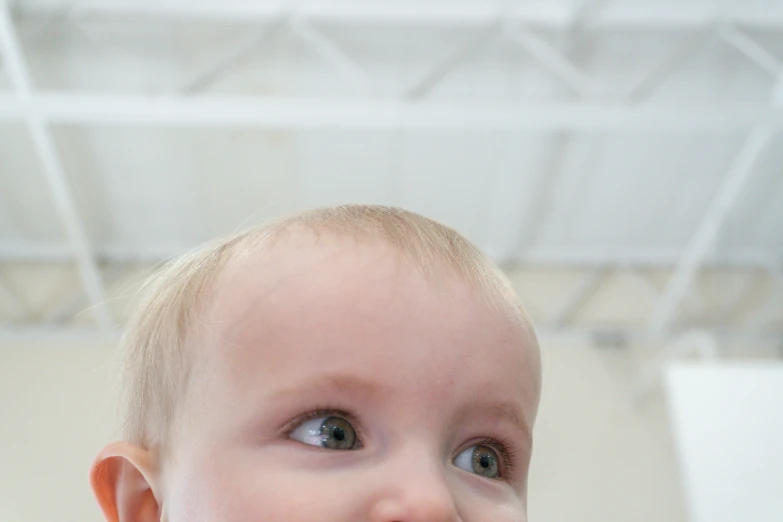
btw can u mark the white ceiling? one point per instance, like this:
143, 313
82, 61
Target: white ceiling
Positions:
636, 190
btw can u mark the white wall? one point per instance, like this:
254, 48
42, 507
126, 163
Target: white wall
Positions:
596, 459
54, 420
728, 424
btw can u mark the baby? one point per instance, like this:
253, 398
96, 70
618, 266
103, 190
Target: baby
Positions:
351, 364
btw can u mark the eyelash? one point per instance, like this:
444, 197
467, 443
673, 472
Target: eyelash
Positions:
327, 412
508, 456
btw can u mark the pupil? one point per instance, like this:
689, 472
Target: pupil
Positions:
339, 434
484, 461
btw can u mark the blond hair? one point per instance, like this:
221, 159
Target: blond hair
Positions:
153, 348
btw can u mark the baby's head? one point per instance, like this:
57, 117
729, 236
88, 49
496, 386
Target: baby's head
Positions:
356, 363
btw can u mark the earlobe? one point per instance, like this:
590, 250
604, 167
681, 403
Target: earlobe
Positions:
123, 481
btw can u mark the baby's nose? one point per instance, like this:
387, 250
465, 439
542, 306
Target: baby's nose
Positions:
418, 491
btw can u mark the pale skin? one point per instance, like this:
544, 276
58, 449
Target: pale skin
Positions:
425, 384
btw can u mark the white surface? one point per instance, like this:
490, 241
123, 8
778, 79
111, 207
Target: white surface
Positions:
728, 428
482, 139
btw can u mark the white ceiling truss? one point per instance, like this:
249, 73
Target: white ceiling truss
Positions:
603, 107
592, 105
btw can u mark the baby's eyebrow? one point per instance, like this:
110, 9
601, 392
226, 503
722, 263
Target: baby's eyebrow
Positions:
507, 411
331, 383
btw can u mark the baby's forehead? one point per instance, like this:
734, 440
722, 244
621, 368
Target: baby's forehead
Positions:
300, 254
306, 269
305, 311
301, 267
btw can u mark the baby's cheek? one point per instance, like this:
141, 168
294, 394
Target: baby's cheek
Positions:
253, 486
244, 491
474, 506
503, 513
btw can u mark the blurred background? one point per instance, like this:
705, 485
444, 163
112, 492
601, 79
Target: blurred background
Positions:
621, 159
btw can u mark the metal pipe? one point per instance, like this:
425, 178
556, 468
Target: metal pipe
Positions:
547, 15
751, 49
385, 114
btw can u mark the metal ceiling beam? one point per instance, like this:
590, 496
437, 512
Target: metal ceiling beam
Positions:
704, 237
56, 334
546, 15
558, 65
14, 306
36, 123
740, 296
642, 282
424, 85
331, 53
564, 67
751, 49
357, 113
643, 86
573, 335
590, 284
77, 302
752, 150
769, 311
776, 272
58, 252
231, 59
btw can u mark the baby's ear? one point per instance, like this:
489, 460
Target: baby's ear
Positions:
123, 481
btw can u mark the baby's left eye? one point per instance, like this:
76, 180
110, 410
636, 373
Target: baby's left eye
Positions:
328, 432
481, 460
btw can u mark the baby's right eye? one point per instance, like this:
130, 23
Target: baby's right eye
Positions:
328, 432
